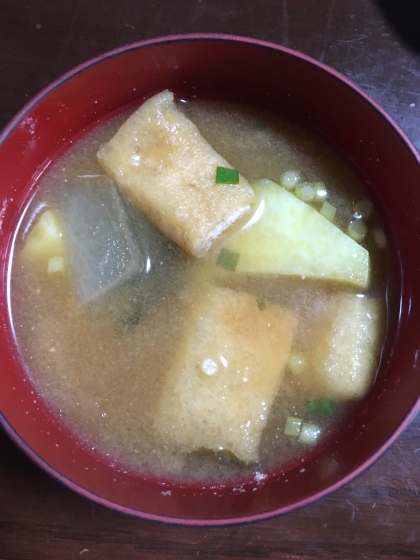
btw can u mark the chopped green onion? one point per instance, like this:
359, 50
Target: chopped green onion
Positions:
261, 304
228, 260
320, 190
293, 426
328, 210
357, 230
320, 407
290, 179
227, 176
55, 264
309, 433
363, 207
305, 192
258, 126
296, 363
379, 238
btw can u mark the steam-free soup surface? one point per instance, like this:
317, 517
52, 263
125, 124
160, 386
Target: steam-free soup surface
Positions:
101, 366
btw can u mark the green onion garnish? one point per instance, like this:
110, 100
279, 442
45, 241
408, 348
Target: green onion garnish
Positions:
293, 426
328, 210
305, 192
363, 207
227, 176
320, 407
261, 304
357, 230
296, 363
228, 260
320, 190
309, 433
290, 179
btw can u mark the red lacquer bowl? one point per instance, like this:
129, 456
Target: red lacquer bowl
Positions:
262, 74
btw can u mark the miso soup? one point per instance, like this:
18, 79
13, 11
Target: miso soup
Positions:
103, 355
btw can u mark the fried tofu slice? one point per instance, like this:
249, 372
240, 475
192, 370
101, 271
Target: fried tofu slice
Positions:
226, 373
344, 353
161, 161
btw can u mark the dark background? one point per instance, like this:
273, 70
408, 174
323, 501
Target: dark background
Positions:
404, 16
375, 516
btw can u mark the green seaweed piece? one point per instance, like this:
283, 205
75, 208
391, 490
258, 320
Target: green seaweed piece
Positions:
228, 260
261, 304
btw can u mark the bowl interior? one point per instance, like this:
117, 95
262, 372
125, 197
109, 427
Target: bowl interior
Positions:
316, 96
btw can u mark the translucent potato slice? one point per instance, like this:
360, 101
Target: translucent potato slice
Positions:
343, 355
227, 370
161, 161
102, 250
45, 241
287, 236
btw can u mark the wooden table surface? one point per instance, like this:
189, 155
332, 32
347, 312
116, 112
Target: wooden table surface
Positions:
376, 515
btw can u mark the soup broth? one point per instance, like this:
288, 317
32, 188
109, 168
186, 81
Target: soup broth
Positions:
102, 365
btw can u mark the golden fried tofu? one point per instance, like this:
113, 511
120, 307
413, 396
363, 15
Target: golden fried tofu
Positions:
343, 354
226, 373
161, 161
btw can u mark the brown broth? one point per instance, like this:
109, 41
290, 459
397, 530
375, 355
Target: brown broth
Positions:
101, 366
